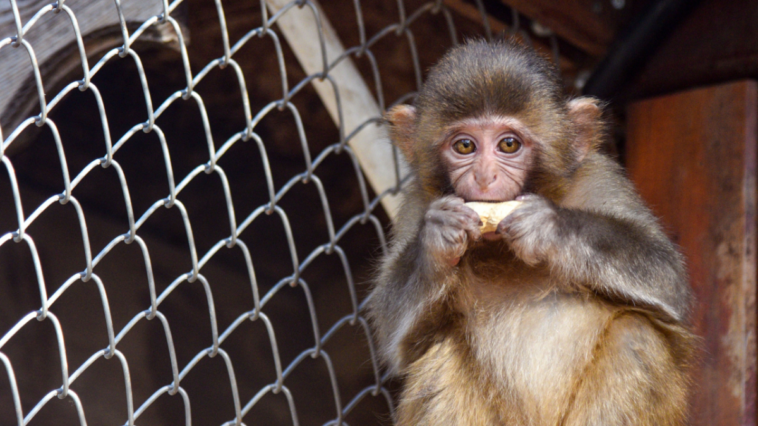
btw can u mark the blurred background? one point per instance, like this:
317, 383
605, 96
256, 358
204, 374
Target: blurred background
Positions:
186, 236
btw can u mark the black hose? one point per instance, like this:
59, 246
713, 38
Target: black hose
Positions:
634, 46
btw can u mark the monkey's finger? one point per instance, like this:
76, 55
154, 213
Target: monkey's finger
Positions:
465, 209
509, 223
450, 202
471, 225
504, 227
445, 218
469, 217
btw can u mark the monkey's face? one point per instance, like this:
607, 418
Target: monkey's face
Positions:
487, 158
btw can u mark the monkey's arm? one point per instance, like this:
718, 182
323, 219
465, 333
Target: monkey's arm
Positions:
409, 299
628, 259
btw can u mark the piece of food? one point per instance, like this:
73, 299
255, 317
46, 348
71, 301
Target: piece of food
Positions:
492, 213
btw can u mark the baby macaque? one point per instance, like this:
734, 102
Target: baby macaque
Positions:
573, 310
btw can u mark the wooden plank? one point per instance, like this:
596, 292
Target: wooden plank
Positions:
53, 39
371, 145
714, 44
55, 48
579, 22
471, 12
693, 158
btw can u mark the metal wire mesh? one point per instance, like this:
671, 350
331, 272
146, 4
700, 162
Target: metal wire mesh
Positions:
11, 390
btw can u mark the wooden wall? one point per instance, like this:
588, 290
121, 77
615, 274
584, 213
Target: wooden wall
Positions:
693, 157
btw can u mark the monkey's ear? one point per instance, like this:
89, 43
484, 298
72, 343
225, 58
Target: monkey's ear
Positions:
586, 113
402, 119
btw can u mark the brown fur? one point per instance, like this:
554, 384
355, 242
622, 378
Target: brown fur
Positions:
576, 317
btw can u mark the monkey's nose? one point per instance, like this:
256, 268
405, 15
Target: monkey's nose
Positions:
485, 180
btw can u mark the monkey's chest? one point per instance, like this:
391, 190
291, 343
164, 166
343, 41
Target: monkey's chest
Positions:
533, 337
492, 271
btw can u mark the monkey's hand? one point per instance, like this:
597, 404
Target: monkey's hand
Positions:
530, 229
449, 226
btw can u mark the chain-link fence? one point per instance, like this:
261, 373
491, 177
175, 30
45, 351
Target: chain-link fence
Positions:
162, 221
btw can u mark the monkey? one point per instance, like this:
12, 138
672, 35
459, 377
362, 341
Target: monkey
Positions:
575, 311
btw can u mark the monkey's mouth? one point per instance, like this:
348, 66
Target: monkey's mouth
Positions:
493, 201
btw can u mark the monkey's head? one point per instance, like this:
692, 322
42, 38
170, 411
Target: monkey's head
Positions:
492, 123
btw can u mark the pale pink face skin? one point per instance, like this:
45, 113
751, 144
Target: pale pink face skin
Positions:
488, 173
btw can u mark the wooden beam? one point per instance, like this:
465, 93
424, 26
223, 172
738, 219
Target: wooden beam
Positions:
576, 21
693, 158
371, 145
471, 12
714, 44
55, 50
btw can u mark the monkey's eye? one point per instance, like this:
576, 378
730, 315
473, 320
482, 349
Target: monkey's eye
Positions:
509, 145
464, 146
